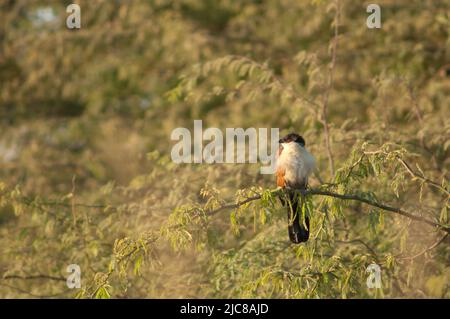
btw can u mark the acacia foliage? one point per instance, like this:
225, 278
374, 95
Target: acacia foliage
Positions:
86, 175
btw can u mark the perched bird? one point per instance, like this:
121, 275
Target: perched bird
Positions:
294, 165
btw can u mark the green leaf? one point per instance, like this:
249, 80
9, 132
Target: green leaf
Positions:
102, 293
443, 218
137, 266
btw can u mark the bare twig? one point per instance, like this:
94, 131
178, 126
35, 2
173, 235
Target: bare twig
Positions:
413, 98
437, 243
324, 116
32, 277
422, 178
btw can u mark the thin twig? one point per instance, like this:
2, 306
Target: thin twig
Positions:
47, 277
413, 98
426, 249
324, 115
422, 178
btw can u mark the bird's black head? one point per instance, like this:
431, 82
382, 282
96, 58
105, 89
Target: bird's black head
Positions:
293, 137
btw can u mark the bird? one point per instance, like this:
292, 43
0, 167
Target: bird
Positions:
294, 165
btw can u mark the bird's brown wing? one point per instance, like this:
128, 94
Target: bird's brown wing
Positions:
280, 177
280, 171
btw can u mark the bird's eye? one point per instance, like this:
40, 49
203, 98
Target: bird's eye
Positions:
280, 141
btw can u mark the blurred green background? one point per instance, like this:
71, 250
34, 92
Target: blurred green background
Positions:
86, 117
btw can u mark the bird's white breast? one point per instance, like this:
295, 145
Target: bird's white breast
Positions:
296, 162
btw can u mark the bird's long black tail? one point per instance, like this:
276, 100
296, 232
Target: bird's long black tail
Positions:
298, 225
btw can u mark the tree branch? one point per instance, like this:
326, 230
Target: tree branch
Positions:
351, 197
48, 277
